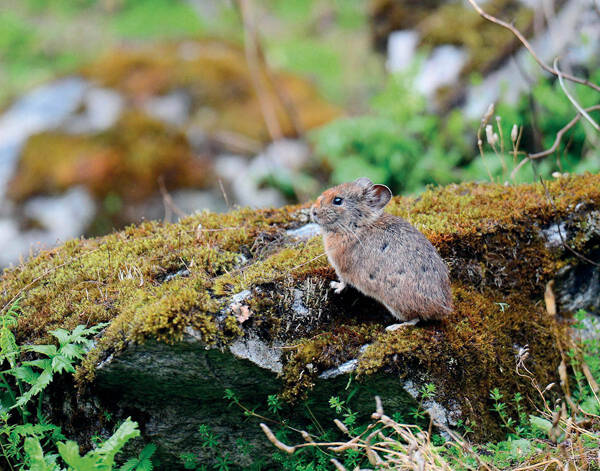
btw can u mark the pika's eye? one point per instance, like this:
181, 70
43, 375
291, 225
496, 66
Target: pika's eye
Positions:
337, 201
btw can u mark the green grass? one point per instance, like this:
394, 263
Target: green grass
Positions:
156, 19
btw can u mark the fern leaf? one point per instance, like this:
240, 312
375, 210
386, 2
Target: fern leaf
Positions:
61, 363
48, 350
112, 446
129, 465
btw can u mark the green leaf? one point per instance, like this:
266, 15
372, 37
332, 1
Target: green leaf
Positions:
35, 455
540, 424
48, 350
148, 451
61, 363
71, 351
42, 364
40, 384
69, 452
25, 373
62, 335
112, 446
129, 465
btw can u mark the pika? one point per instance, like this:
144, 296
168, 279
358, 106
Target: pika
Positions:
381, 255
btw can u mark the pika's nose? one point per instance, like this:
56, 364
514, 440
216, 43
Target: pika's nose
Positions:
313, 214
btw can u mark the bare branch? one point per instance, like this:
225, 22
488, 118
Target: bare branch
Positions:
252, 58
577, 106
557, 141
525, 43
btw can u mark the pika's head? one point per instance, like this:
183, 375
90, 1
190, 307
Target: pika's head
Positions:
350, 205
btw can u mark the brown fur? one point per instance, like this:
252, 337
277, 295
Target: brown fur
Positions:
381, 255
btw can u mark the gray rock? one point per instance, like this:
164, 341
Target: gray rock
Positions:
401, 50
44, 108
60, 217
441, 68
190, 201
65, 216
173, 108
305, 232
101, 109
283, 158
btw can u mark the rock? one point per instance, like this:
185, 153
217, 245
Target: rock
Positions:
280, 161
64, 217
101, 110
125, 160
173, 108
177, 339
43, 108
401, 49
442, 67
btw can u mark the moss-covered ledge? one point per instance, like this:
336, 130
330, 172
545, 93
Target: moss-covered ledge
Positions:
249, 283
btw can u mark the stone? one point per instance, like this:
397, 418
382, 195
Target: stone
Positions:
175, 343
401, 50
101, 110
41, 109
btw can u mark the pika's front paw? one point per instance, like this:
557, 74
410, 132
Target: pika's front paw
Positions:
338, 286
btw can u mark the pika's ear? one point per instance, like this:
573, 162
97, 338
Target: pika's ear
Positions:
364, 182
378, 196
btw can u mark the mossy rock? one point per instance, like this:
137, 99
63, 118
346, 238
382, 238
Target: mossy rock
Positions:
456, 23
216, 75
125, 160
188, 287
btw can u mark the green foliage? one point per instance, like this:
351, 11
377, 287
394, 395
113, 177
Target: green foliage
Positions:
24, 437
156, 19
102, 458
406, 146
400, 144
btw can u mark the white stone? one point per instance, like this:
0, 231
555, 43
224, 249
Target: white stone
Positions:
441, 68
101, 110
173, 108
65, 216
401, 50
259, 353
305, 232
44, 108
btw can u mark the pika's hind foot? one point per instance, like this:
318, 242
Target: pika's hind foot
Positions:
391, 328
338, 286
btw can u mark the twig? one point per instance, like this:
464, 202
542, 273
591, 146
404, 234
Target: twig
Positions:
168, 202
577, 106
224, 194
265, 100
557, 141
525, 43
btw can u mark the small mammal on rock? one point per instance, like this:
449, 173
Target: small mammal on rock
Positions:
381, 255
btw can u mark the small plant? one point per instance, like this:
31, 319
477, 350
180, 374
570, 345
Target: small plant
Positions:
102, 458
426, 393
24, 431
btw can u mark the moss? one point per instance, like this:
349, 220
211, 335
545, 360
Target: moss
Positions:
216, 75
153, 280
474, 350
125, 160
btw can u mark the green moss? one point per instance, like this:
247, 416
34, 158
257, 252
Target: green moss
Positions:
474, 350
153, 280
126, 160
